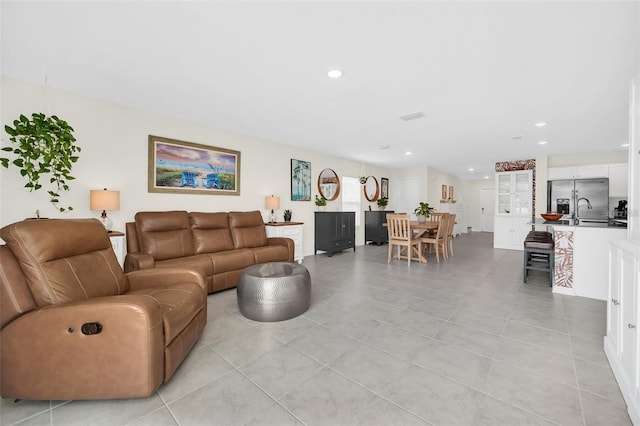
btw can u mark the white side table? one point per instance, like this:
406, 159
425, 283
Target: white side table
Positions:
117, 242
291, 230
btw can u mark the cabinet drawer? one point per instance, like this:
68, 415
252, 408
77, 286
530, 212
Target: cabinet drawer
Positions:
347, 243
291, 232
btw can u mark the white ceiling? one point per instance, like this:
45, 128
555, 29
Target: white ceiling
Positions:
482, 72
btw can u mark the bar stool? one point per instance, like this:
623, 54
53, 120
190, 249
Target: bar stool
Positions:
539, 253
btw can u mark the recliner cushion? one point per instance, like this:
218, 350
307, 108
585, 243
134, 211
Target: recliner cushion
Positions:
164, 235
179, 304
247, 229
65, 260
15, 297
210, 232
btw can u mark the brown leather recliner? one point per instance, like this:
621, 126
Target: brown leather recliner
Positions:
74, 326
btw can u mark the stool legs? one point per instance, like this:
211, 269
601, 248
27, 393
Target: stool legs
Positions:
539, 260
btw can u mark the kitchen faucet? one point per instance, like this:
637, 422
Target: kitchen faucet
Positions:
589, 206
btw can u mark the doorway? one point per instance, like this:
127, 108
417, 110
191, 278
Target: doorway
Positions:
487, 209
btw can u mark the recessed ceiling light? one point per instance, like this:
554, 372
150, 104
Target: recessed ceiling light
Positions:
540, 124
486, 177
624, 145
543, 142
408, 153
412, 116
471, 169
335, 73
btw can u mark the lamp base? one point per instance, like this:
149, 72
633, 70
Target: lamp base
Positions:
108, 224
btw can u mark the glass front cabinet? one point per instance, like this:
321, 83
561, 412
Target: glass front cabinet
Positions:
514, 208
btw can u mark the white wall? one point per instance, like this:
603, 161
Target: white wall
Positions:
114, 155
472, 203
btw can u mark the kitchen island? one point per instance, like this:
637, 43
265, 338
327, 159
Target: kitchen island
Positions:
582, 255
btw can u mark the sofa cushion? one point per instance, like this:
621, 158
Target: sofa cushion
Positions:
179, 304
65, 260
247, 229
210, 232
164, 235
270, 254
232, 260
200, 263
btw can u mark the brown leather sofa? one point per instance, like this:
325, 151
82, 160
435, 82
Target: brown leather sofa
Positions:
74, 326
216, 245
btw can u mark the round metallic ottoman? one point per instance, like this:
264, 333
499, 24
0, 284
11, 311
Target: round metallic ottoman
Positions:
274, 291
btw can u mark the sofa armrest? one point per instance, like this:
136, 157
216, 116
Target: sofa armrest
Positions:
283, 241
46, 355
150, 278
138, 261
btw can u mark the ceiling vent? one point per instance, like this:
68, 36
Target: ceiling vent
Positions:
518, 138
412, 116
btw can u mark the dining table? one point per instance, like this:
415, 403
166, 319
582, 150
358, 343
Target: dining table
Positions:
419, 229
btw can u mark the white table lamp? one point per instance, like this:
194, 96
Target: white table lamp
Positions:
103, 199
272, 203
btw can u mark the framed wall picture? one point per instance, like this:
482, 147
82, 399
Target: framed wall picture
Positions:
181, 167
384, 188
300, 180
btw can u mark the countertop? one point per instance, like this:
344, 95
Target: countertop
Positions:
612, 223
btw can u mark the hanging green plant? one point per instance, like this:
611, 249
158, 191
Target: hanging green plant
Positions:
45, 146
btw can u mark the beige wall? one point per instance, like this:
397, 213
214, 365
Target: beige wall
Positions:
114, 138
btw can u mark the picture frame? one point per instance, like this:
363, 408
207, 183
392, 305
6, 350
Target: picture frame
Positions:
300, 180
180, 167
384, 187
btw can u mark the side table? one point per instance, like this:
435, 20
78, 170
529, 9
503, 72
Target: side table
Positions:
291, 230
117, 242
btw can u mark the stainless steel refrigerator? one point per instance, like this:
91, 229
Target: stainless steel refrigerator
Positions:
582, 199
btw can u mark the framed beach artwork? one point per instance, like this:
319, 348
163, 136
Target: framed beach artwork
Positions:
181, 167
300, 180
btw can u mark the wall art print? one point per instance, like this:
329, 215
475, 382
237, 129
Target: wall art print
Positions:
300, 180
384, 187
181, 167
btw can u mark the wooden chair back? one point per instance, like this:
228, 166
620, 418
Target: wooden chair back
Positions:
398, 227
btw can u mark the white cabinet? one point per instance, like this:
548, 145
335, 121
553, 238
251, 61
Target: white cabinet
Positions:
579, 172
513, 193
510, 232
117, 242
621, 341
291, 230
458, 210
513, 209
618, 180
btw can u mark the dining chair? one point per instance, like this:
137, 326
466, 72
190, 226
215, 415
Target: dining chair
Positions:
400, 235
449, 236
438, 241
435, 217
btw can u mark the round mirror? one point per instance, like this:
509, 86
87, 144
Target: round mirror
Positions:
371, 189
328, 184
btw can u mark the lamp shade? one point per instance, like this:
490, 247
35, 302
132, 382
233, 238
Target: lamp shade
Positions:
103, 199
272, 202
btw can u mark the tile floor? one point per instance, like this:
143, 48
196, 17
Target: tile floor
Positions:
463, 342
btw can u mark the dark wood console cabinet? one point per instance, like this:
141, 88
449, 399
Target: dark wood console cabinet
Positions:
373, 229
335, 231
